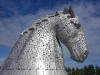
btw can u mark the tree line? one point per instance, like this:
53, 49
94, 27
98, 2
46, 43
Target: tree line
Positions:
86, 70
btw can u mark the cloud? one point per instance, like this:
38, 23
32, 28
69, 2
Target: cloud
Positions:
10, 28
1, 60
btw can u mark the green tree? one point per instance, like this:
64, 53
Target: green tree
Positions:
69, 71
97, 69
77, 71
81, 72
86, 70
73, 71
91, 70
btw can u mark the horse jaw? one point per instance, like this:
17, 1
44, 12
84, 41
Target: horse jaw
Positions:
77, 47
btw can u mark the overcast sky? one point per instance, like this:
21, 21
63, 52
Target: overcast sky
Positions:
16, 15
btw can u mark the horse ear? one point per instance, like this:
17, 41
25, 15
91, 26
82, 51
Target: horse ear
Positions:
65, 11
56, 14
71, 12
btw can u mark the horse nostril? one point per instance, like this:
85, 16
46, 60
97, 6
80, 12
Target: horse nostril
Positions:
85, 54
77, 25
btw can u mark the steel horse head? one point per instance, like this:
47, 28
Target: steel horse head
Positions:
38, 50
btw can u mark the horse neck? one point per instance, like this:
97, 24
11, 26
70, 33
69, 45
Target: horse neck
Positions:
43, 30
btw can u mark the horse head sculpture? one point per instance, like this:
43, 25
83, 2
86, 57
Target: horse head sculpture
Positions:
70, 33
38, 50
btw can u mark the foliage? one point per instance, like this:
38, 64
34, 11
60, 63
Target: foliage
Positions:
86, 70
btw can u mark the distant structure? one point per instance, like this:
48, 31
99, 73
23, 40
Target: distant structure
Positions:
38, 50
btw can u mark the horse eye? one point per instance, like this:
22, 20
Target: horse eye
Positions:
68, 16
77, 25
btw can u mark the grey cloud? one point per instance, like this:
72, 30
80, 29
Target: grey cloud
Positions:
10, 28
2, 60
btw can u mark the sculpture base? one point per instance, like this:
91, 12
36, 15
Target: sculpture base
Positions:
34, 72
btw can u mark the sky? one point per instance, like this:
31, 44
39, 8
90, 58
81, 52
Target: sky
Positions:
16, 15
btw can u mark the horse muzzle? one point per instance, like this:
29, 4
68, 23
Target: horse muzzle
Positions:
79, 56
